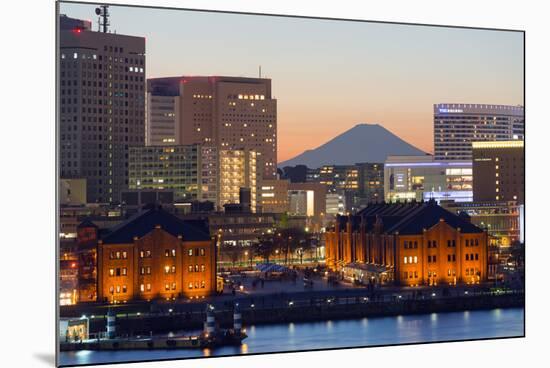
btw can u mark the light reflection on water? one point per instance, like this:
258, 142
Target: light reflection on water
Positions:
330, 334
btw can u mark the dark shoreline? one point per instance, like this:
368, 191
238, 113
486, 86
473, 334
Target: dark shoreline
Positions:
350, 308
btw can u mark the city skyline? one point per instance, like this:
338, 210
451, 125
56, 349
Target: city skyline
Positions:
306, 114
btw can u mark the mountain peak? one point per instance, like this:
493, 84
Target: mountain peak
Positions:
363, 143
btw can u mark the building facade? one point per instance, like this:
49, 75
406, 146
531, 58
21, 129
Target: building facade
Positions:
499, 171
102, 106
371, 182
190, 171
417, 178
161, 124
411, 244
228, 112
155, 255
504, 221
457, 125
274, 195
239, 169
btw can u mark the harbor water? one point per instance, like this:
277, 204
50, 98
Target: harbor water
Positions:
334, 334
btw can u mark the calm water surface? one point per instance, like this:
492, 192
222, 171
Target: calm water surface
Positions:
331, 334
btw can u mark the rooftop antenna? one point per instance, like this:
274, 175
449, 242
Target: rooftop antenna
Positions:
260, 71
103, 17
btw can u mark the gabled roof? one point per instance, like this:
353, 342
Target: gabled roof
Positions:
429, 215
145, 221
410, 218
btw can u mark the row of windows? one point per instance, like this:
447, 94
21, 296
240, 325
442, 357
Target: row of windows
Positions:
118, 255
118, 271
167, 270
433, 258
433, 243
172, 252
410, 275
472, 257
118, 289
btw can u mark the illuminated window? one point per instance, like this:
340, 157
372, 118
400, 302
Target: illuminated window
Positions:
202, 251
124, 255
166, 286
173, 286
118, 289
415, 259
190, 252
196, 268
111, 289
166, 269
111, 271
142, 288
148, 287
203, 268
190, 268
203, 284
117, 255
405, 260
124, 271
173, 252
410, 259
173, 269
190, 285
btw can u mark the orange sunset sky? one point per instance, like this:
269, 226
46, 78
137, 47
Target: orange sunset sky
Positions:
329, 75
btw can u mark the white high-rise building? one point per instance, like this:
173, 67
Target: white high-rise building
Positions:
456, 126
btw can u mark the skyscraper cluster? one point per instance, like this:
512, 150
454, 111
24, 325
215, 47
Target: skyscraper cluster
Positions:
120, 131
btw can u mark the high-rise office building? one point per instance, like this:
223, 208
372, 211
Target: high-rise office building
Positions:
499, 171
102, 109
190, 171
228, 112
161, 126
456, 126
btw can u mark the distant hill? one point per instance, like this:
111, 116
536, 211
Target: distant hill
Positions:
362, 143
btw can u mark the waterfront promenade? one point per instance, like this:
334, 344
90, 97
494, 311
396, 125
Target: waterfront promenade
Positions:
289, 301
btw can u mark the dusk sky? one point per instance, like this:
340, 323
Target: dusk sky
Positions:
329, 76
